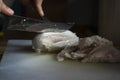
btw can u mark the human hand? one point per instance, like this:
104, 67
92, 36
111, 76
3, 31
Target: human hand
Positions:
5, 9
8, 11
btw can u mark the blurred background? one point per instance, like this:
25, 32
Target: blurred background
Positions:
91, 17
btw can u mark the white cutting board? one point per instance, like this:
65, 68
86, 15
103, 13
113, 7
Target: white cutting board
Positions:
20, 62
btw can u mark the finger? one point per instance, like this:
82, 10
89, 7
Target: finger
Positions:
40, 10
6, 10
39, 7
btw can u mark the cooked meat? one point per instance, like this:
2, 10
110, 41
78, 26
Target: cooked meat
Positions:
68, 46
91, 49
54, 41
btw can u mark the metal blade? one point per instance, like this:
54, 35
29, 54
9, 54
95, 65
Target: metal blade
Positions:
34, 25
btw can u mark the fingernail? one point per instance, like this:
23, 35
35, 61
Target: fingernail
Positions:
10, 11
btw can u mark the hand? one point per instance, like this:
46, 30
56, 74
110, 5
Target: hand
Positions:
8, 11
5, 9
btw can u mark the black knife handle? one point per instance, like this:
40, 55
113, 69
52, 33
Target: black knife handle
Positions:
4, 20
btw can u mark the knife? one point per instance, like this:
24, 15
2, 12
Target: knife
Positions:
21, 23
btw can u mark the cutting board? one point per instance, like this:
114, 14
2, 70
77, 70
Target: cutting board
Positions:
20, 62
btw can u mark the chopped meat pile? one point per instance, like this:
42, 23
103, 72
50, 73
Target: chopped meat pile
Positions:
69, 46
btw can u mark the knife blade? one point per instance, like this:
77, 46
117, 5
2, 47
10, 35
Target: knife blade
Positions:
21, 23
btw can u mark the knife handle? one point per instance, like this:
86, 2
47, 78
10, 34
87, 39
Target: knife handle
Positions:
4, 20
44, 18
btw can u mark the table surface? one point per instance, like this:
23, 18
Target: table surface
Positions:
20, 62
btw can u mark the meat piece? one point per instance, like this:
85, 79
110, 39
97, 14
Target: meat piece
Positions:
98, 49
69, 46
91, 49
103, 53
54, 41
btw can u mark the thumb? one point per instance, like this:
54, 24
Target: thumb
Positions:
5, 9
38, 4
